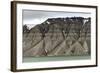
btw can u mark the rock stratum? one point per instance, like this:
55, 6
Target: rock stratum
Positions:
68, 36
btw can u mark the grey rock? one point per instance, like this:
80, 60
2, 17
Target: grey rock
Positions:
58, 36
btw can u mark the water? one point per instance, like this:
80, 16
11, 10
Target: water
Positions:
55, 58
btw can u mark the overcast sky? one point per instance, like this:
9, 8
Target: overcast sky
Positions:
33, 17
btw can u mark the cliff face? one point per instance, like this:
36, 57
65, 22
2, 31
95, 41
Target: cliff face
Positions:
58, 36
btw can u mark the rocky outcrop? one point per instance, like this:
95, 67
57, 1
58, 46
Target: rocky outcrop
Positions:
58, 36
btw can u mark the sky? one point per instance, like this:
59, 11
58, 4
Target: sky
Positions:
34, 17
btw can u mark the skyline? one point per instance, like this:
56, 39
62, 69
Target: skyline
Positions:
34, 17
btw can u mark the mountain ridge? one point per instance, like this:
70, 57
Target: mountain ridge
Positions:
73, 30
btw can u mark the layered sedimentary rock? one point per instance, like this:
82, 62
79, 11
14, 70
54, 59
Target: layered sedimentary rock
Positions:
58, 36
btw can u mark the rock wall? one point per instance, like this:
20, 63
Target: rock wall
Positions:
58, 36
